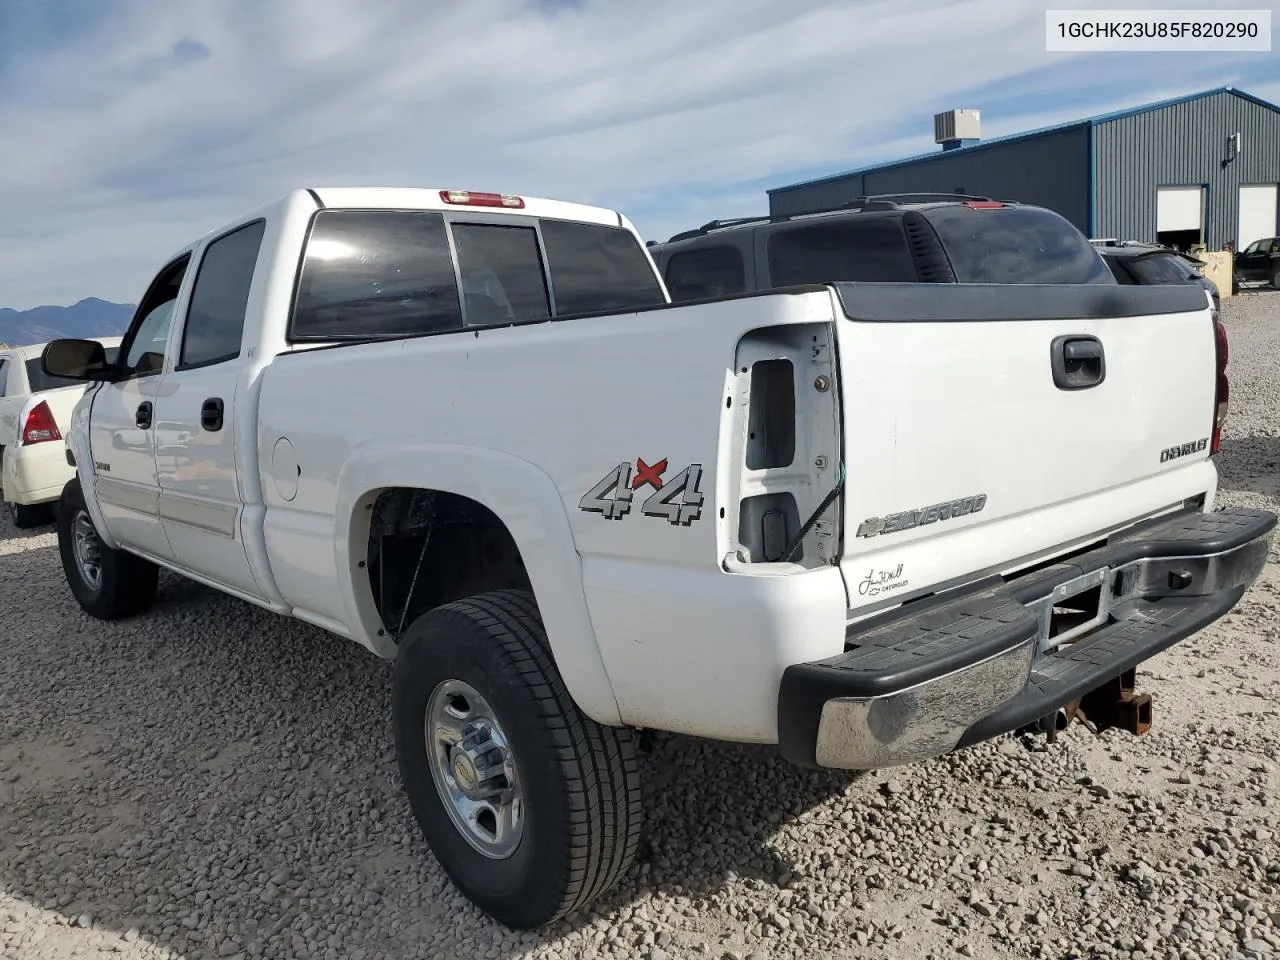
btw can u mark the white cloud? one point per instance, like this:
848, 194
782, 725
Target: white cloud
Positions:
116, 151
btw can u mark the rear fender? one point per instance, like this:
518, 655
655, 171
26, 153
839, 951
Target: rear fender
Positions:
527, 501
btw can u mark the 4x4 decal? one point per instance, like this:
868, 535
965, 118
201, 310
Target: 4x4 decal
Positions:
678, 500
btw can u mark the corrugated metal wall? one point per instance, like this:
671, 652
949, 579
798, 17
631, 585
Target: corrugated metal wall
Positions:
1051, 170
1182, 144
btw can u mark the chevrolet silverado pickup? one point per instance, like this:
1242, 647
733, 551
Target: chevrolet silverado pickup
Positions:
870, 523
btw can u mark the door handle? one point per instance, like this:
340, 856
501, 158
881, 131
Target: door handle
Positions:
211, 414
1078, 361
143, 417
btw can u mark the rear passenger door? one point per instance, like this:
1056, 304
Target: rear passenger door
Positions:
195, 416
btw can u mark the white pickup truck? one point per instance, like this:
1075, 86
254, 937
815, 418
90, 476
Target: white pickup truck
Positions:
869, 523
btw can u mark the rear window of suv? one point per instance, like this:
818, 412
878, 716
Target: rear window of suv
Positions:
1016, 245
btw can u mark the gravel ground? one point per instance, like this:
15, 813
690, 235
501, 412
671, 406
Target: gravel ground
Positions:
211, 781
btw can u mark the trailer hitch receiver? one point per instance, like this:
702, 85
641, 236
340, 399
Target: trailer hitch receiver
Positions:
1115, 704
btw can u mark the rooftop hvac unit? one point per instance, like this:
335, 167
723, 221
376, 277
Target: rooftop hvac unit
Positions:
957, 126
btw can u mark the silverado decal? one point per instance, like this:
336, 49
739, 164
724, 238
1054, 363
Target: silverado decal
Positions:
678, 500
1173, 453
908, 519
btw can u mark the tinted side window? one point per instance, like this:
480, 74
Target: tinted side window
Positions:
708, 272
375, 273
598, 269
215, 318
1160, 270
1016, 245
501, 271
4, 375
872, 250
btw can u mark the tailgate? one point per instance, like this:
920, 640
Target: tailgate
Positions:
987, 427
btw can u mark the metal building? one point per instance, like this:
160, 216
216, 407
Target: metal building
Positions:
1202, 168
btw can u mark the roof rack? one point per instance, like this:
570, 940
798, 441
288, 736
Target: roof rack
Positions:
718, 225
888, 201
880, 201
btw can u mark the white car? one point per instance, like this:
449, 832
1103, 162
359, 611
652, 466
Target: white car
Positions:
35, 412
869, 523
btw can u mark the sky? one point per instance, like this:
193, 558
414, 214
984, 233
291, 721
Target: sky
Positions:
130, 127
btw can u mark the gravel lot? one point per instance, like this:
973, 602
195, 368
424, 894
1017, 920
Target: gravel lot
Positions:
212, 781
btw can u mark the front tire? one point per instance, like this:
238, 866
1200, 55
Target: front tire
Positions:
107, 583
531, 808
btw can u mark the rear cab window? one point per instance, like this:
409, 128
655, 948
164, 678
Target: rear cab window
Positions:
1015, 245
378, 274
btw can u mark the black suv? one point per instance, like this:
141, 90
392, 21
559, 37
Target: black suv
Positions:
1145, 264
913, 238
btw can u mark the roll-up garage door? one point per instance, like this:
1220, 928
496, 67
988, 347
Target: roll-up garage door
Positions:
1179, 208
1257, 213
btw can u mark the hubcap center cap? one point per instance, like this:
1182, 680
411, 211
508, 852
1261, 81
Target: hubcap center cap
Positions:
464, 771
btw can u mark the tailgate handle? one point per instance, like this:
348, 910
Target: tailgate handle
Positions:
1078, 362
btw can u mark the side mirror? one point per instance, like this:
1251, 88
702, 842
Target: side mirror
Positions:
76, 360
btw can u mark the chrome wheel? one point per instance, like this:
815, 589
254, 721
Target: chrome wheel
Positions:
474, 769
87, 550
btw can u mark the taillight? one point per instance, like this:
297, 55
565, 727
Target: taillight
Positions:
984, 205
1222, 389
469, 198
40, 425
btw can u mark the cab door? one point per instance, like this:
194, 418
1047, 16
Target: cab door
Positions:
200, 499
121, 434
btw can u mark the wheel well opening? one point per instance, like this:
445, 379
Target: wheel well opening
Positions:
428, 547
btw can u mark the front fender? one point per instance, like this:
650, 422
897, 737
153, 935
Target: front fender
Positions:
78, 443
527, 501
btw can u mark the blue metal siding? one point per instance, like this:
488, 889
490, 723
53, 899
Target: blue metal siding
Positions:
1051, 170
1183, 144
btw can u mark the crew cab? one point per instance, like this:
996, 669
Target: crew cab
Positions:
35, 409
868, 523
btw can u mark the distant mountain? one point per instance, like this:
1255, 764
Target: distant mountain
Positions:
88, 318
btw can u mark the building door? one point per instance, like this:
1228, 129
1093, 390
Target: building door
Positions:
1180, 216
1257, 220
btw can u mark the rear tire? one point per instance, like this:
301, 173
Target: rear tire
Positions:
107, 583
574, 783
24, 516
1275, 277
